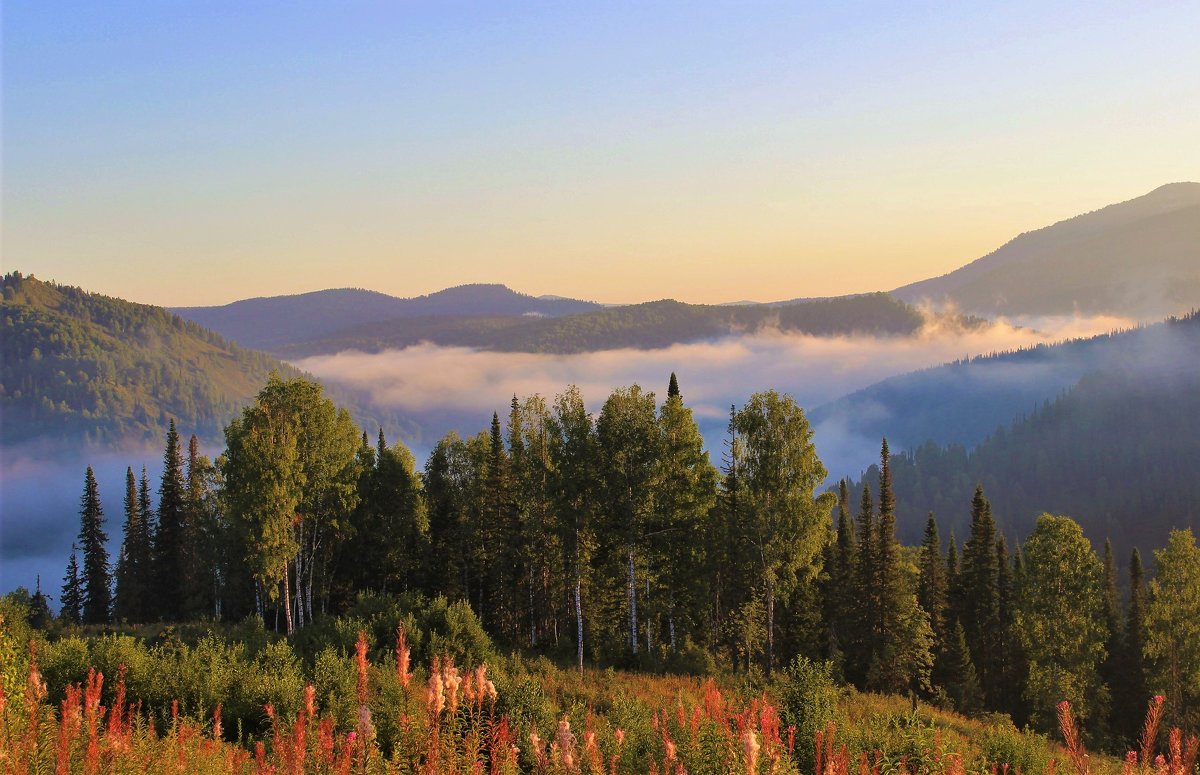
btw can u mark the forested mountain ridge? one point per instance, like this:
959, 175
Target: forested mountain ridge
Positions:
965, 401
1117, 452
272, 322
1139, 258
85, 369
642, 326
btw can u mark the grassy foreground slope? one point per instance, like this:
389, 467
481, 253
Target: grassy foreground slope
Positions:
245, 701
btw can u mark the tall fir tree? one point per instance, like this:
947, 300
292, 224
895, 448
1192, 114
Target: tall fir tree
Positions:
953, 581
502, 536
1113, 644
684, 498
1010, 663
169, 538
132, 591
901, 653
933, 597
981, 596
72, 592
1131, 693
866, 596
97, 575
956, 673
842, 580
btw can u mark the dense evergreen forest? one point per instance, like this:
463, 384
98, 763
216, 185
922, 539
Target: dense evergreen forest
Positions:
1136, 419
614, 540
82, 367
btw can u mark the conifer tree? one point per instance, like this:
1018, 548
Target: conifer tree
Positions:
684, 496
673, 388
866, 597
981, 596
901, 653
132, 592
932, 595
97, 579
842, 580
72, 593
953, 581
955, 673
169, 583
1113, 645
1010, 667
501, 534
931, 590
1131, 692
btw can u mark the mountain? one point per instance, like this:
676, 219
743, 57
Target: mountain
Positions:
1138, 259
272, 322
640, 326
1117, 452
81, 369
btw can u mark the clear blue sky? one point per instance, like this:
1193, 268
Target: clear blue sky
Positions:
195, 153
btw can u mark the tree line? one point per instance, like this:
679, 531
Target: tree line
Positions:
613, 538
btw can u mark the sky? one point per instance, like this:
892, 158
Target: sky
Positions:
184, 153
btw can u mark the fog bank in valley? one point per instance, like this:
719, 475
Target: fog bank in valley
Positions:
455, 388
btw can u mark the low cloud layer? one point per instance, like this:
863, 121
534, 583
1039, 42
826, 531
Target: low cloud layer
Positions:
458, 382
458, 388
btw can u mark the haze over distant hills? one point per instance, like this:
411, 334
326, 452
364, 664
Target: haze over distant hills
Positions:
266, 323
1139, 259
1117, 451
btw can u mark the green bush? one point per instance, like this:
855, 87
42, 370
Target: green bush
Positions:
1001, 743
808, 698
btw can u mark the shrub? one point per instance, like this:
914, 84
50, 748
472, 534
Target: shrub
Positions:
808, 698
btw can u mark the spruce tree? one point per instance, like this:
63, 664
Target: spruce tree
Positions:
168, 540
1131, 692
932, 595
97, 577
866, 605
673, 388
1113, 644
684, 498
843, 580
902, 641
132, 591
502, 541
955, 673
1009, 663
72, 594
953, 581
981, 596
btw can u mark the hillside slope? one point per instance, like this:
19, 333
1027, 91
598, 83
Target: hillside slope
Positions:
1139, 258
274, 322
1117, 452
81, 369
965, 401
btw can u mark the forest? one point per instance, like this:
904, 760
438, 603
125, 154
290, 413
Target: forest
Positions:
601, 542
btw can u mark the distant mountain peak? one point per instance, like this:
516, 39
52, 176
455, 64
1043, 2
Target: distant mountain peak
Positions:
1138, 258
